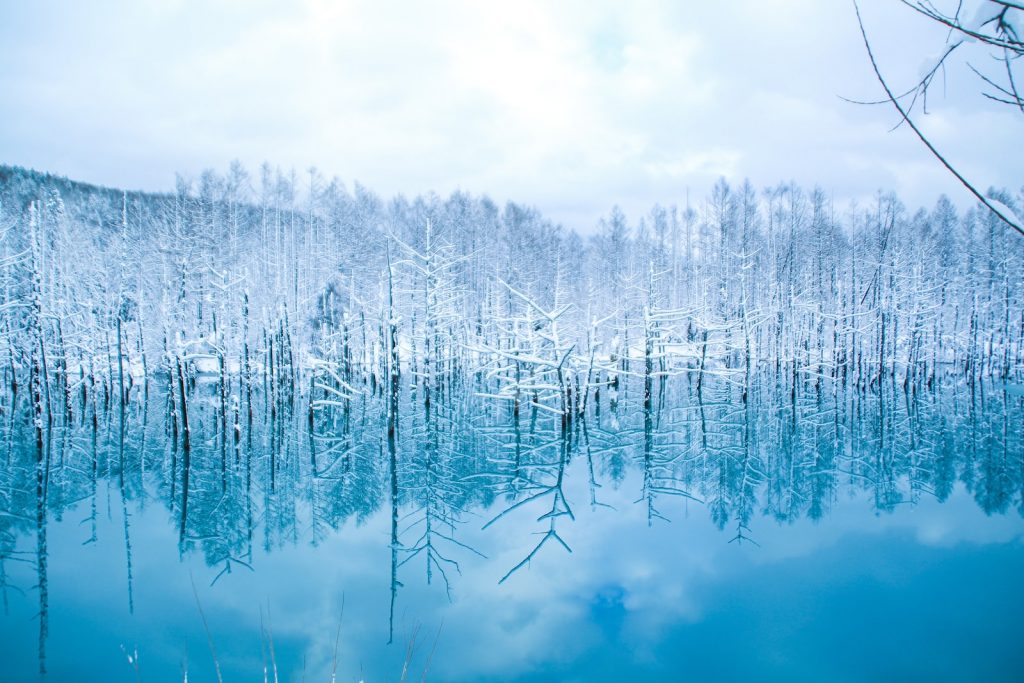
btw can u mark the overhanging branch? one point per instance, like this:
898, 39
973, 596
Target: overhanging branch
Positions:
905, 115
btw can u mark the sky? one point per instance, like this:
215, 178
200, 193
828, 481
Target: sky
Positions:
572, 107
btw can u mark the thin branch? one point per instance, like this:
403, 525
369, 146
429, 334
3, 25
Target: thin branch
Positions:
921, 136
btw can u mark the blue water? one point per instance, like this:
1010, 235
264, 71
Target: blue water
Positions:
893, 552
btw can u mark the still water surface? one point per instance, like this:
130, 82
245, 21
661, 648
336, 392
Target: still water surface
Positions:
850, 536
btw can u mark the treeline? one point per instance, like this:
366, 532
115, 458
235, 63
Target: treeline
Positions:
291, 282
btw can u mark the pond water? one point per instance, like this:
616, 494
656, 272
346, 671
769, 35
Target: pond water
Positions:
837, 535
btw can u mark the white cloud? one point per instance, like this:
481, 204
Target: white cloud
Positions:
572, 107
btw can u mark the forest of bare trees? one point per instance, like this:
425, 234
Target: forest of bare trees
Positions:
294, 284
275, 354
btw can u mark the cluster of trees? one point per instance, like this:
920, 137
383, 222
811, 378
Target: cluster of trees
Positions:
295, 285
330, 349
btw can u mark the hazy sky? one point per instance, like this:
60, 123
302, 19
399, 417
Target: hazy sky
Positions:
569, 106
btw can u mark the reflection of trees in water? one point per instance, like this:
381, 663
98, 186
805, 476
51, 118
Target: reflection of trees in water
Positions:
742, 453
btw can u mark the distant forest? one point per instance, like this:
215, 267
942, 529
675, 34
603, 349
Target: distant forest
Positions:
284, 274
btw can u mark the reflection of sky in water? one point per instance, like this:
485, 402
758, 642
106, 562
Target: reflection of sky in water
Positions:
876, 588
927, 592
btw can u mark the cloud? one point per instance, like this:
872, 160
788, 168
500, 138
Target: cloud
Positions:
572, 107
